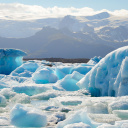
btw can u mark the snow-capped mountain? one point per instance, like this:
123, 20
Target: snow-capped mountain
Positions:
68, 37
51, 42
114, 34
99, 16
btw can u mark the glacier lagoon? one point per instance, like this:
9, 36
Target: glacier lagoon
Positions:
79, 95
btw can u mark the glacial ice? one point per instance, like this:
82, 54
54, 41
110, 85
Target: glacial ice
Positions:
22, 116
10, 59
109, 76
44, 76
79, 116
66, 92
69, 81
30, 90
77, 125
25, 70
94, 60
62, 71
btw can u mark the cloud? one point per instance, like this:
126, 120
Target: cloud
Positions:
17, 11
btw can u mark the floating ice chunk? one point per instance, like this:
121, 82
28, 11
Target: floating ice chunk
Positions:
2, 100
77, 125
79, 116
31, 90
69, 81
25, 70
22, 116
44, 76
102, 79
10, 59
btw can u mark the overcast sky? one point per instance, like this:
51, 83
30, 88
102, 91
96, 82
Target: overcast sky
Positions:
35, 9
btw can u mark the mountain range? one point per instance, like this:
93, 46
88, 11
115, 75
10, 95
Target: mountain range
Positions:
67, 37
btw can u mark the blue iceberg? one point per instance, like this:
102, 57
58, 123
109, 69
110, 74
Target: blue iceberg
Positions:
10, 59
110, 76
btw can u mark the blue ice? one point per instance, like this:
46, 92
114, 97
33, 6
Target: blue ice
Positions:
10, 59
110, 76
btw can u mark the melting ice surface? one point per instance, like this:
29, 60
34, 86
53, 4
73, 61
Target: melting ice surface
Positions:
64, 95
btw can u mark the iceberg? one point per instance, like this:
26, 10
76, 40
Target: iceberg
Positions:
22, 116
44, 76
10, 59
69, 81
110, 76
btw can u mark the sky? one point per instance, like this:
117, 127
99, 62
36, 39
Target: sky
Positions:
36, 9
95, 4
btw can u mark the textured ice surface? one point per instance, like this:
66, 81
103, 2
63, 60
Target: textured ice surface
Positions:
104, 118
83, 69
79, 116
109, 76
53, 90
123, 114
44, 76
25, 70
62, 71
7, 93
56, 117
10, 59
2, 100
22, 116
120, 103
77, 125
31, 90
4, 121
94, 60
118, 124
